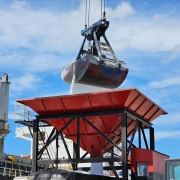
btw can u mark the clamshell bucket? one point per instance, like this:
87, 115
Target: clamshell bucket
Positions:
97, 66
88, 70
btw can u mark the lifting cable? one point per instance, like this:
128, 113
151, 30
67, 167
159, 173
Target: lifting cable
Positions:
101, 9
86, 15
104, 13
87, 12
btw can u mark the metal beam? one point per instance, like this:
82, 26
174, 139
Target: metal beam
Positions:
81, 49
85, 154
139, 134
100, 132
152, 143
105, 168
144, 137
112, 152
90, 135
30, 123
54, 137
57, 146
114, 171
30, 131
40, 133
136, 117
74, 165
65, 145
76, 146
124, 146
25, 123
85, 160
50, 136
35, 146
86, 114
96, 113
78, 138
131, 144
132, 137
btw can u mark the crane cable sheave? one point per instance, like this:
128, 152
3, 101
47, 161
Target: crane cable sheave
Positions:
99, 27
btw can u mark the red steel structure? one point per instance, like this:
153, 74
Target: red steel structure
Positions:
95, 121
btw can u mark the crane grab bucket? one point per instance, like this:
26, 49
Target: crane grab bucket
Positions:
97, 66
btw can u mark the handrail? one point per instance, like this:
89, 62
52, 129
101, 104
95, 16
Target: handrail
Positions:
12, 172
27, 116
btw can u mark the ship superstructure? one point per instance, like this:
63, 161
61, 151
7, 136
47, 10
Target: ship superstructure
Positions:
10, 165
4, 100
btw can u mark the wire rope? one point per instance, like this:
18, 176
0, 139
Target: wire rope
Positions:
86, 16
89, 12
101, 9
104, 14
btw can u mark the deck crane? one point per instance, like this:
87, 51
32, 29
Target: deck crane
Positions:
98, 65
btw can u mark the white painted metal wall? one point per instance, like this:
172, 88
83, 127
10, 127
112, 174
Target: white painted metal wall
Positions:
4, 97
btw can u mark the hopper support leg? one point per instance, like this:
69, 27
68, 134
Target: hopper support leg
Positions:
152, 144
57, 146
124, 146
35, 145
139, 134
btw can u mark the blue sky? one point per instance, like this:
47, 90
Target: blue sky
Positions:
37, 38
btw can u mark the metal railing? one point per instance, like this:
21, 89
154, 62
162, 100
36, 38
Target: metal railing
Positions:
12, 172
22, 113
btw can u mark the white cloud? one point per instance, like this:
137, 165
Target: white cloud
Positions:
37, 39
166, 134
172, 119
165, 83
153, 33
55, 94
124, 9
42, 40
174, 55
44, 30
26, 82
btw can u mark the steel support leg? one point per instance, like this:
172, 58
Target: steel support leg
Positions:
76, 147
57, 146
35, 146
124, 146
152, 144
74, 155
78, 138
112, 152
139, 134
